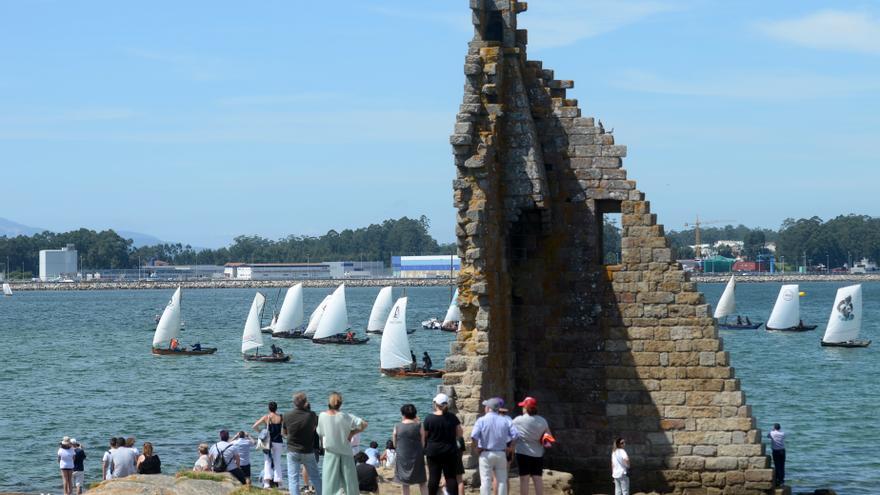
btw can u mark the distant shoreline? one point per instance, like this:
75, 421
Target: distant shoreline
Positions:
397, 282
228, 284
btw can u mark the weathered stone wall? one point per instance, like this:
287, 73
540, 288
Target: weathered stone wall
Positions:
626, 350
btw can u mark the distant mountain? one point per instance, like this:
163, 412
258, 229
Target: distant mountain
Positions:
9, 228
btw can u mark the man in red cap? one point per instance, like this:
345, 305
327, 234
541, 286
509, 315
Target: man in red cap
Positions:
530, 429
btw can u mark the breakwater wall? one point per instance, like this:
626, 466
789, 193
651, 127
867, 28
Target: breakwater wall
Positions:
707, 278
230, 284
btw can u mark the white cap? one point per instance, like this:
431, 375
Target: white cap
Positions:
441, 399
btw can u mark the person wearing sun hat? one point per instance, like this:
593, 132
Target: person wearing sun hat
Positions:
494, 435
530, 429
442, 429
65, 462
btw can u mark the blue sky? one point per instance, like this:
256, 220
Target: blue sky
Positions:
198, 121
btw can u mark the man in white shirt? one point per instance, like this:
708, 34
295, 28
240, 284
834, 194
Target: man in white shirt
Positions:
777, 447
230, 455
122, 460
106, 472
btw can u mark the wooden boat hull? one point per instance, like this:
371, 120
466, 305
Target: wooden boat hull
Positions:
271, 358
418, 373
848, 343
169, 352
296, 334
734, 326
799, 328
377, 332
341, 340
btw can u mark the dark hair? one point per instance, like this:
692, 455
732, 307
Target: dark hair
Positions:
241, 434
408, 411
618, 443
777, 426
224, 435
360, 458
113, 441
120, 442
374, 444
273, 406
389, 444
532, 410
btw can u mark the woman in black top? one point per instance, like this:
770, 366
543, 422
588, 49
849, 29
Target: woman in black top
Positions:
149, 463
441, 432
272, 466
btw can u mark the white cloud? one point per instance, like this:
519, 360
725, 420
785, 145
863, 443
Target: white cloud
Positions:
830, 30
749, 85
563, 22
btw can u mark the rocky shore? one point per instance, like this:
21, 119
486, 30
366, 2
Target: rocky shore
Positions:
229, 284
708, 278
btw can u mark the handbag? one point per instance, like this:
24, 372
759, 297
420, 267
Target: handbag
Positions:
263, 441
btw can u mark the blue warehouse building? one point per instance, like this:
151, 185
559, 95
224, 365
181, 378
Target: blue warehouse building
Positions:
438, 266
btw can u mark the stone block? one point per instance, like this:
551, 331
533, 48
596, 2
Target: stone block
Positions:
722, 463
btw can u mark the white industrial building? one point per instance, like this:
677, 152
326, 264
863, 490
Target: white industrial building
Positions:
58, 263
298, 271
439, 266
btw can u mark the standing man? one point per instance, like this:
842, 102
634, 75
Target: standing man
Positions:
299, 427
495, 437
79, 458
777, 446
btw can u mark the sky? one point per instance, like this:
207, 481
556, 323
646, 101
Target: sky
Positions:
199, 121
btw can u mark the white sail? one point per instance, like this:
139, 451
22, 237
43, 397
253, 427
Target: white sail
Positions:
395, 351
169, 325
291, 314
727, 304
846, 315
252, 338
453, 314
381, 307
335, 318
315, 318
7, 290
787, 310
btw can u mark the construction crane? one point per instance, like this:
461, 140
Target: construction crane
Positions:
696, 226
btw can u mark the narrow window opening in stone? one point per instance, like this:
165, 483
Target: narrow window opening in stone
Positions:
494, 27
609, 229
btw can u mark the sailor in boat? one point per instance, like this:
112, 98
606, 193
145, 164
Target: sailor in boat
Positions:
739, 320
748, 321
197, 346
175, 345
412, 366
427, 364
276, 350
349, 336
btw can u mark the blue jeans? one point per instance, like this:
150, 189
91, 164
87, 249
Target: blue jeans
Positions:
295, 461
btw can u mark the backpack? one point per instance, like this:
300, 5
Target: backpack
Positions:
219, 465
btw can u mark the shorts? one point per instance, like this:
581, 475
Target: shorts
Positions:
530, 466
459, 466
246, 469
79, 478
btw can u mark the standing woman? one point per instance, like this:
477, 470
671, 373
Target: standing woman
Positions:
409, 462
440, 436
335, 428
620, 467
530, 429
149, 463
272, 465
65, 462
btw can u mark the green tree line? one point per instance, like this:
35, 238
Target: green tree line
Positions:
106, 249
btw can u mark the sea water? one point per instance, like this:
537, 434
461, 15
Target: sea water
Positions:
79, 364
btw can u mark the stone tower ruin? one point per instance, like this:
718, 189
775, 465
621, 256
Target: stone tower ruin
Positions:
608, 350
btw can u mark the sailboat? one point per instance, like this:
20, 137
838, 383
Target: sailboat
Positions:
270, 328
252, 338
333, 327
168, 332
395, 355
787, 310
7, 290
381, 308
453, 315
845, 320
290, 317
727, 307
315, 317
